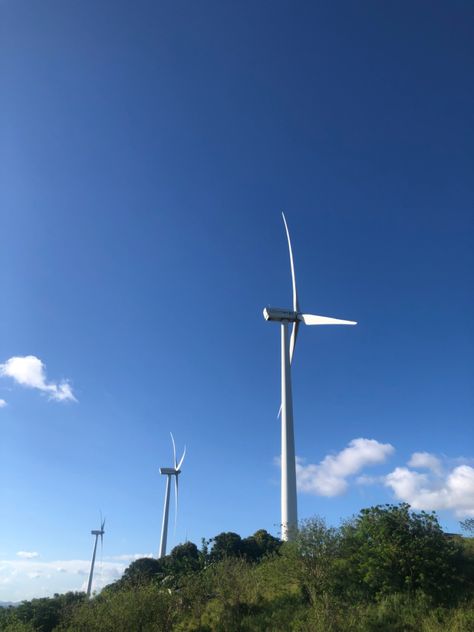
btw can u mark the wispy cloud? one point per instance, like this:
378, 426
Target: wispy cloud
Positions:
3, 403
28, 578
440, 487
329, 477
27, 555
127, 557
29, 371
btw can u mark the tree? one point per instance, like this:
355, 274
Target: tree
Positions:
226, 544
142, 571
253, 548
183, 559
259, 545
389, 549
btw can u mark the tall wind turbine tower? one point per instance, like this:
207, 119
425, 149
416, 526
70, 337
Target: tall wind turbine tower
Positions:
289, 513
95, 532
169, 472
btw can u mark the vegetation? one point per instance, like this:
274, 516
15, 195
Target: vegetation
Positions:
387, 570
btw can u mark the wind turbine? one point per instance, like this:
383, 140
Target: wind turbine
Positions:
289, 513
95, 532
169, 472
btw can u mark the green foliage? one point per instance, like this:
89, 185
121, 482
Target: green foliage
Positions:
17, 626
44, 615
387, 570
390, 549
226, 544
145, 608
141, 571
253, 548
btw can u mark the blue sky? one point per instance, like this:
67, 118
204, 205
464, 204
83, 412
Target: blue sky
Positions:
147, 152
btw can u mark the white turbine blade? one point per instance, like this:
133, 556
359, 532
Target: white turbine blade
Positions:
178, 467
101, 556
313, 319
174, 450
292, 265
294, 334
102, 525
175, 502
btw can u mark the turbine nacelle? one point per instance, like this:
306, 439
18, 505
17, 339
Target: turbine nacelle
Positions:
169, 470
278, 314
97, 532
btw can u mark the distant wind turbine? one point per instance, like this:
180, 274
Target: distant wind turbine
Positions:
169, 472
289, 513
95, 532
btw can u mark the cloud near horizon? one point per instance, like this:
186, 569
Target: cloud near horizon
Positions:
29, 578
27, 555
127, 557
30, 371
329, 477
437, 488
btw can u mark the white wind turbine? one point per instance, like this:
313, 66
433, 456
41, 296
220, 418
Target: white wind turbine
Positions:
289, 514
169, 472
95, 532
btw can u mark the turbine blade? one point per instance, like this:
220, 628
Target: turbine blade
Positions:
313, 319
174, 450
175, 501
296, 307
102, 525
294, 334
178, 467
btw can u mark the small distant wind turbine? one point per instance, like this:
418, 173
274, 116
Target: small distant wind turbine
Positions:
95, 532
169, 472
289, 514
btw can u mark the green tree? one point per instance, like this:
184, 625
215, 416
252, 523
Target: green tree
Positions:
259, 545
142, 571
226, 544
391, 549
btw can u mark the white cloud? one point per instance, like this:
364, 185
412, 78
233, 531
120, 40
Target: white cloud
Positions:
30, 371
3, 403
427, 461
329, 478
19, 578
128, 557
27, 555
436, 489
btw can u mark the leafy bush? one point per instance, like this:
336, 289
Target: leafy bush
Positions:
387, 570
